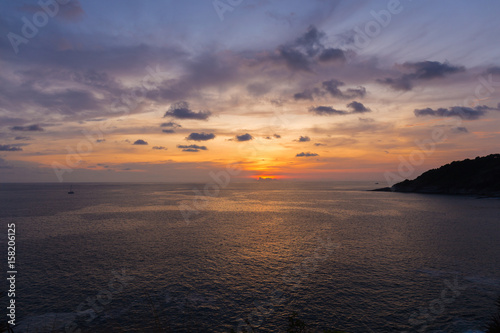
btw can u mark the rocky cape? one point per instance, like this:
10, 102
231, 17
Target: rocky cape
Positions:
480, 176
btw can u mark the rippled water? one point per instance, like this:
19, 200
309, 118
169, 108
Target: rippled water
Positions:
251, 255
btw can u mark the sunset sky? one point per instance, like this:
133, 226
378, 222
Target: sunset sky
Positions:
173, 91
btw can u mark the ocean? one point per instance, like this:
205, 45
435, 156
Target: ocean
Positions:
192, 258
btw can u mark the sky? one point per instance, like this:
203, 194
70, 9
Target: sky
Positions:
190, 91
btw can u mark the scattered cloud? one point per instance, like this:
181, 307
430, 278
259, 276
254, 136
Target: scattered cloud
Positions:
168, 131
28, 128
307, 50
331, 87
460, 130
201, 136
275, 136
424, 70
244, 137
100, 140
170, 124
192, 148
140, 142
304, 139
22, 138
456, 111
306, 154
10, 148
181, 110
159, 148
355, 107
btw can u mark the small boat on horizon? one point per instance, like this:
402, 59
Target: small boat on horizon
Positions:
70, 190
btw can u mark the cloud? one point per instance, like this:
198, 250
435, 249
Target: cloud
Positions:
424, 70
275, 136
357, 107
305, 95
100, 140
159, 148
180, 110
326, 110
332, 87
168, 131
191, 148
307, 50
140, 142
319, 144
201, 136
330, 55
244, 137
306, 154
304, 139
460, 130
22, 138
170, 124
10, 148
28, 128
456, 111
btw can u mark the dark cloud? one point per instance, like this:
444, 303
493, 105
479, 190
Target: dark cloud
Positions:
456, 111
326, 110
159, 148
402, 83
168, 131
275, 136
10, 148
305, 95
244, 137
140, 142
332, 87
306, 154
100, 140
460, 130
180, 110
357, 107
424, 70
332, 55
304, 139
307, 50
319, 144
170, 124
191, 148
22, 138
28, 128
201, 136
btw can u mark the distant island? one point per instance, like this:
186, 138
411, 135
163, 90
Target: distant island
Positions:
480, 176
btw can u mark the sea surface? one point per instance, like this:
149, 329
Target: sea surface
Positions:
246, 256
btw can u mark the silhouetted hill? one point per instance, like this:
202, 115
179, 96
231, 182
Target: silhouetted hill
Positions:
480, 176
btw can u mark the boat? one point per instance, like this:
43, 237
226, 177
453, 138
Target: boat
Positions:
70, 190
